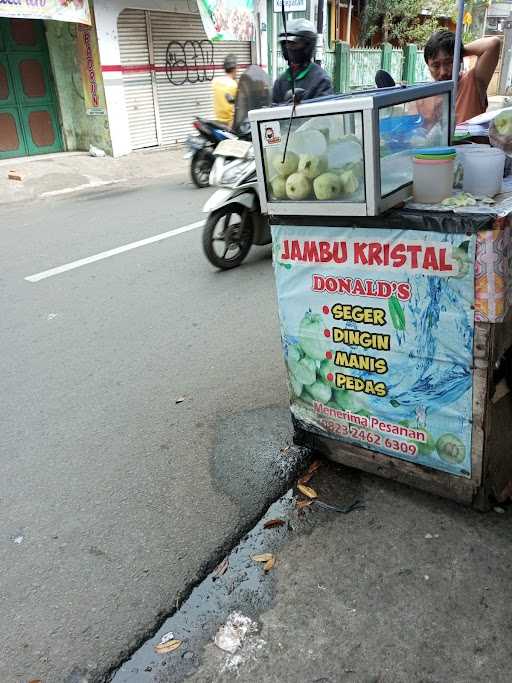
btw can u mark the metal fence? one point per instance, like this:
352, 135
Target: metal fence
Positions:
329, 62
397, 64
364, 63
421, 72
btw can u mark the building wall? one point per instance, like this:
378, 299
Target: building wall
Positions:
107, 13
79, 130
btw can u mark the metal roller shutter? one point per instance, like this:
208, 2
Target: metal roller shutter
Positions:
137, 78
188, 96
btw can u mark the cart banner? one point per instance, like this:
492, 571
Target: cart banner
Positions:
377, 328
89, 60
227, 19
76, 11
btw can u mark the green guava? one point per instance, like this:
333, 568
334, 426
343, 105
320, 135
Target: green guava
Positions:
312, 165
298, 186
320, 391
451, 449
286, 167
296, 386
349, 182
327, 186
278, 185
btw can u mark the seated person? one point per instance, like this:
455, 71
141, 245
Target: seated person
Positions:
472, 85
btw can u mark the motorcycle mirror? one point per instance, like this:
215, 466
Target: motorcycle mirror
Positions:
244, 128
384, 80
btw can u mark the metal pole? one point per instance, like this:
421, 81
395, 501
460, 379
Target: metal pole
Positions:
320, 32
506, 58
457, 56
485, 21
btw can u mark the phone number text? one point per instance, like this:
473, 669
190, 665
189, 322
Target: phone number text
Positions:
370, 438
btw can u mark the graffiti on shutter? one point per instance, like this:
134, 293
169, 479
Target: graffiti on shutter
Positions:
189, 61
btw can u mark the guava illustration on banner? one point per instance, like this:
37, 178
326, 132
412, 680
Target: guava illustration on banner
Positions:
377, 328
76, 11
227, 19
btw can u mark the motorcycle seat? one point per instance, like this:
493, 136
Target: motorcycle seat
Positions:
216, 124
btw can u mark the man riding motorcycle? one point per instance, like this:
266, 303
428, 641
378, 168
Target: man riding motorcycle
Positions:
235, 221
298, 44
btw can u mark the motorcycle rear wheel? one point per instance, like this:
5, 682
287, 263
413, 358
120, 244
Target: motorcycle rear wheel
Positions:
200, 167
230, 228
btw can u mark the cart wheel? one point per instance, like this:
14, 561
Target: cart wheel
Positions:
200, 168
228, 235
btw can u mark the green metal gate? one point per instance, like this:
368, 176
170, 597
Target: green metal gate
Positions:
28, 109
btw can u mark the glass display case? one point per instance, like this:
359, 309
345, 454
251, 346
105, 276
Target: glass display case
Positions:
347, 154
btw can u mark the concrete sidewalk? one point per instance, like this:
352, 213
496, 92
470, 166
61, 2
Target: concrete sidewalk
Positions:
54, 175
411, 589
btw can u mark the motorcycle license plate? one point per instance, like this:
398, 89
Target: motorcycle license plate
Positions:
233, 148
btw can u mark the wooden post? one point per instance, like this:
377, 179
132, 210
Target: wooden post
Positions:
342, 67
349, 21
385, 57
409, 67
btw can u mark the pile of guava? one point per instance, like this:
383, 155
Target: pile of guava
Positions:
312, 375
311, 169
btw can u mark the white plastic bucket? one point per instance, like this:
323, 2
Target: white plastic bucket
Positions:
483, 170
432, 180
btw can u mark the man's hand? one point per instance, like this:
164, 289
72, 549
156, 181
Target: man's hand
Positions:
487, 51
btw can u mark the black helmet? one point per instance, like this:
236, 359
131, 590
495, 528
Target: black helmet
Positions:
299, 30
230, 62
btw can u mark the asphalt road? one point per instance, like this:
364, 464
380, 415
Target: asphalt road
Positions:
114, 498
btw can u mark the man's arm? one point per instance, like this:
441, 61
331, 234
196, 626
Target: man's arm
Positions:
324, 87
487, 51
277, 95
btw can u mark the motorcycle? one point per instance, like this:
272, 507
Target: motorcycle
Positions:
201, 145
235, 221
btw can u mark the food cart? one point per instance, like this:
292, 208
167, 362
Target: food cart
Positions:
394, 317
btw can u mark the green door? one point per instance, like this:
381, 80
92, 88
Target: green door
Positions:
28, 113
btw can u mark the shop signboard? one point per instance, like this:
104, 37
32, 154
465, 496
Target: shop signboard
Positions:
90, 69
377, 328
290, 5
76, 11
227, 19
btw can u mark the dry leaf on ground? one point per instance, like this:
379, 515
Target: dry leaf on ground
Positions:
307, 491
269, 565
264, 557
301, 504
272, 523
221, 568
305, 478
170, 646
